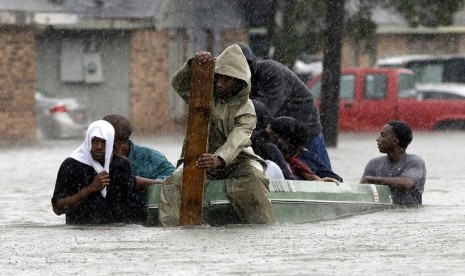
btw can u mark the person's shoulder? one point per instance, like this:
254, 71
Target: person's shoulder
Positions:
416, 158
118, 161
69, 161
73, 166
146, 152
270, 63
377, 160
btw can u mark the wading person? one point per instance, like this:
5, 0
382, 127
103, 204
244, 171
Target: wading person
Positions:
149, 166
230, 156
404, 173
93, 185
284, 94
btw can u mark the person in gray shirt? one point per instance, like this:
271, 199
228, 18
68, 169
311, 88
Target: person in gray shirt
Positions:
404, 173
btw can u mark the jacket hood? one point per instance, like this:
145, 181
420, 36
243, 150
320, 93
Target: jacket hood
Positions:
231, 62
250, 57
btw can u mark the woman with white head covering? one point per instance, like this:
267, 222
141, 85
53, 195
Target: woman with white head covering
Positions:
94, 185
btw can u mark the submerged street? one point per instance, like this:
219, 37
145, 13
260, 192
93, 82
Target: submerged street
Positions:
429, 240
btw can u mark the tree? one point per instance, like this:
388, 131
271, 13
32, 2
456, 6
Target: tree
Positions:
429, 13
298, 26
332, 70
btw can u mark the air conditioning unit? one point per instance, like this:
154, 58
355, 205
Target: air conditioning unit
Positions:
92, 68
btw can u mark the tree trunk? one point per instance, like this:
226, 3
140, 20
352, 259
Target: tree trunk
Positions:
332, 71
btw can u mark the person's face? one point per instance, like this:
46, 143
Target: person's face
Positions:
121, 147
98, 149
387, 140
224, 86
286, 149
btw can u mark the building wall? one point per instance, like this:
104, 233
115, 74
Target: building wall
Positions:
17, 82
231, 36
150, 80
149, 83
109, 96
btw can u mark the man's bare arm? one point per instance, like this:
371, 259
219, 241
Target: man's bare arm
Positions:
405, 183
142, 183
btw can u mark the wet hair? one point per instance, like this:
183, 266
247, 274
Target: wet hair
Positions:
121, 124
402, 132
291, 131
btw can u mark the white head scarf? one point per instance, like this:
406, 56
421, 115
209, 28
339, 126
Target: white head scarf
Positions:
101, 129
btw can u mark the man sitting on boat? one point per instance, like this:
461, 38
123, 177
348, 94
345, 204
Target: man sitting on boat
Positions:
277, 167
284, 94
230, 156
404, 173
93, 185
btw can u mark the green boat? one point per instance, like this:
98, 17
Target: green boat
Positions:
293, 201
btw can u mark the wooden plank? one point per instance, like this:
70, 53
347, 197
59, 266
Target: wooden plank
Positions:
198, 126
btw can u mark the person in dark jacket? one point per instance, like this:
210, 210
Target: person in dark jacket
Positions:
284, 94
262, 145
95, 186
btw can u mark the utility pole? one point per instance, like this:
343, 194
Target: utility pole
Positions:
332, 70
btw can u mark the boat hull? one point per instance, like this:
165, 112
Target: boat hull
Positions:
292, 201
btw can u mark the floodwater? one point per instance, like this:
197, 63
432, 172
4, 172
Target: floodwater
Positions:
429, 240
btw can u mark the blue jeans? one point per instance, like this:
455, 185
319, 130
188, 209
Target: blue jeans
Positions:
316, 157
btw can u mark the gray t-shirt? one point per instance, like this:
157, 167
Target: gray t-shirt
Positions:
410, 166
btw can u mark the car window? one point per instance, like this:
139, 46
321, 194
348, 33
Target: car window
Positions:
346, 87
454, 69
441, 95
428, 73
375, 86
316, 90
407, 86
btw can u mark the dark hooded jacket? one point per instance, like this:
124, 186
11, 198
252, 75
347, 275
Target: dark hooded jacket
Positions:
282, 92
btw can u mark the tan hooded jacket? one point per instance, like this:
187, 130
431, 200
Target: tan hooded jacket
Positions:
232, 120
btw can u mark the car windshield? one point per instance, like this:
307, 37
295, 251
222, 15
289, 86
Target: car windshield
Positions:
407, 86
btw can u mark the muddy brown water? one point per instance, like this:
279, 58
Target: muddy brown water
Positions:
423, 241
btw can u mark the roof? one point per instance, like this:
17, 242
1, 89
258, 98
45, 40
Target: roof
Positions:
82, 14
210, 14
399, 60
87, 8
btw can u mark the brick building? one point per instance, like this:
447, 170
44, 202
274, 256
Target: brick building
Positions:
394, 37
136, 45
17, 81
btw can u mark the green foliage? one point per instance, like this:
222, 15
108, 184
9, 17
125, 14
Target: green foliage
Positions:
302, 27
429, 13
301, 30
